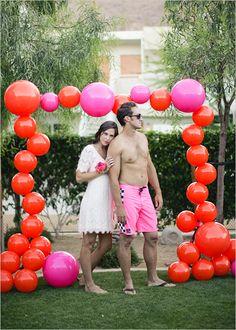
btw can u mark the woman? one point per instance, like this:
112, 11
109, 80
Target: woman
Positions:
95, 216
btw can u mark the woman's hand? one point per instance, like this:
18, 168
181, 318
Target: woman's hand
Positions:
109, 162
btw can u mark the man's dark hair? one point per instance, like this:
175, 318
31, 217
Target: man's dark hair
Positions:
105, 126
125, 110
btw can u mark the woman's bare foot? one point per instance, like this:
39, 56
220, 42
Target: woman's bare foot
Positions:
81, 281
95, 289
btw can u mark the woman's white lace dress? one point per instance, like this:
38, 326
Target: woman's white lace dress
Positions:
96, 206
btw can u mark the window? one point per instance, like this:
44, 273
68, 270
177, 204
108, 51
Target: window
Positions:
130, 64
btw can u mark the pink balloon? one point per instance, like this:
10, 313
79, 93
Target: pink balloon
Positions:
140, 94
60, 269
188, 95
233, 268
49, 102
97, 99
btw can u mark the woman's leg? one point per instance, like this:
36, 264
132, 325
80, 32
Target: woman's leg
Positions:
85, 262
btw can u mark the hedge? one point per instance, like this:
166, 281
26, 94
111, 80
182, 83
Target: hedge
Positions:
55, 173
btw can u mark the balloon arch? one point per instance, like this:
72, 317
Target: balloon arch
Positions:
211, 250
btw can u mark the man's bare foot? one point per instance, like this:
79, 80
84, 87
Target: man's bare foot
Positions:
95, 289
129, 291
161, 283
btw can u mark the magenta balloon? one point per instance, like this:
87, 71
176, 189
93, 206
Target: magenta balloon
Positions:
60, 269
233, 268
188, 95
140, 94
49, 102
97, 99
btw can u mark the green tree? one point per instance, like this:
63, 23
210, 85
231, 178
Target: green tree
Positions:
200, 44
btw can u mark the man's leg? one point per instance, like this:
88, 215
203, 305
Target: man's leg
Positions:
85, 261
124, 256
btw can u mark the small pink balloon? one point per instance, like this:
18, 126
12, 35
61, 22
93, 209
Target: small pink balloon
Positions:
140, 94
49, 102
233, 268
60, 269
97, 99
188, 95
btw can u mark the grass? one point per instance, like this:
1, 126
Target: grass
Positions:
191, 305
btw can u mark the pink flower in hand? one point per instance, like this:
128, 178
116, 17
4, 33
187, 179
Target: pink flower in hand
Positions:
101, 167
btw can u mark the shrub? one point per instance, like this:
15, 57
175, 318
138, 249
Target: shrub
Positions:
110, 259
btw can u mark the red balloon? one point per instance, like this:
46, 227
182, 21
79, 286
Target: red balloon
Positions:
26, 280
186, 221
10, 261
18, 243
119, 100
203, 270
212, 239
33, 259
33, 203
22, 183
205, 174
197, 193
6, 280
221, 265
188, 252
179, 272
32, 226
193, 135
22, 98
25, 127
206, 212
42, 243
25, 161
69, 96
230, 252
38, 144
197, 155
160, 99
204, 116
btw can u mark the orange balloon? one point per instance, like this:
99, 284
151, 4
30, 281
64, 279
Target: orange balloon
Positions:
69, 96
186, 221
119, 100
22, 98
38, 144
193, 135
203, 270
6, 280
32, 226
206, 211
212, 239
25, 161
10, 261
179, 272
33, 259
188, 252
221, 265
230, 253
160, 99
42, 243
197, 193
197, 155
33, 203
22, 183
204, 116
18, 243
25, 127
26, 280
205, 174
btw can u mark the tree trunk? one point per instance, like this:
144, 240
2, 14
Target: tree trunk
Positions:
221, 165
17, 216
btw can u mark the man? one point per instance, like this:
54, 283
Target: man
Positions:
132, 170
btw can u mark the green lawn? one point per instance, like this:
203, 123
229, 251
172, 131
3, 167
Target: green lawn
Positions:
192, 305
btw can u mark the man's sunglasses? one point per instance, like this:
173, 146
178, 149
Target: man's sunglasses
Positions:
138, 116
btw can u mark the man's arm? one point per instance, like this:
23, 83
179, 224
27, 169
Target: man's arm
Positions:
153, 180
115, 152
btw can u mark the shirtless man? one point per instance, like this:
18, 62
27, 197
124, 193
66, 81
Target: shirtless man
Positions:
132, 170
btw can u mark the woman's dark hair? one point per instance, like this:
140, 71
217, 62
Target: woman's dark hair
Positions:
125, 110
105, 126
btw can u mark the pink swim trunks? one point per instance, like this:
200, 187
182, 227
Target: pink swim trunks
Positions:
140, 212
